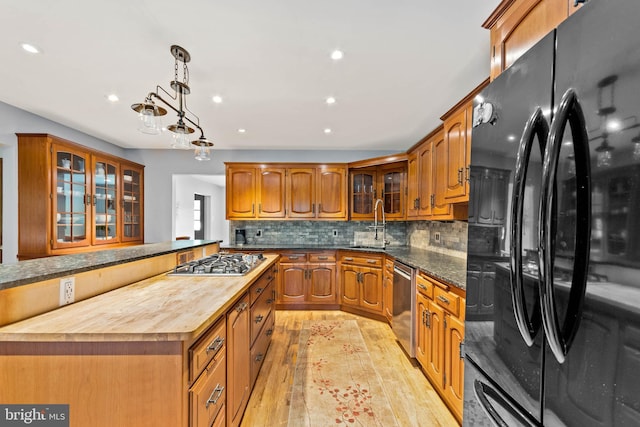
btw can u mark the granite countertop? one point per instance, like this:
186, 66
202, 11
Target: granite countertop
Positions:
37, 270
448, 268
161, 308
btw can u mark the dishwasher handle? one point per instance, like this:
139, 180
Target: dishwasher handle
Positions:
401, 273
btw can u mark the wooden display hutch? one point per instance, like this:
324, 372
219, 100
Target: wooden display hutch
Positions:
74, 199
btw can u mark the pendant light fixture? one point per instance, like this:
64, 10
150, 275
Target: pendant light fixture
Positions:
149, 113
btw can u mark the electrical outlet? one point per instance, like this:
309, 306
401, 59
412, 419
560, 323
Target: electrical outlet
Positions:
259, 233
436, 237
67, 290
335, 233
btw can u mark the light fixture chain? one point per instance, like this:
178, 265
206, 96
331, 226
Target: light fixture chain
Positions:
176, 69
185, 73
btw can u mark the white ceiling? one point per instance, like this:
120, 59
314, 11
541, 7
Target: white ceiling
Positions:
406, 62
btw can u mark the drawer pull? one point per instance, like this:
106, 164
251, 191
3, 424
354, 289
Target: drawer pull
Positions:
259, 290
348, 258
427, 319
443, 299
372, 261
215, 345
270, 301
213, 400
423, 287
241, 307
259, 357
269, 332
323, 258
293, 257
259, 318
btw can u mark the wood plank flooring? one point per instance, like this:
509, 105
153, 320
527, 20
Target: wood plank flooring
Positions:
414, 401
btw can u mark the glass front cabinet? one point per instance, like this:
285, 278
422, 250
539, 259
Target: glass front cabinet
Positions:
386, 182
96, 200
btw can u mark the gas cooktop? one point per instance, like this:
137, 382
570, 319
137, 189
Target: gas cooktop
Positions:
219, 265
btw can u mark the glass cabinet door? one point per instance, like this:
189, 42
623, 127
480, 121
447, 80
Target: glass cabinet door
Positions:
72, 198
392, 192
131, 204
105, 201
362, 193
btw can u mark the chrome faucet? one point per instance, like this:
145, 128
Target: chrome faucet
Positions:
377, 227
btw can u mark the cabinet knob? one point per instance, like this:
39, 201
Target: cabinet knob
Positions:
259, 318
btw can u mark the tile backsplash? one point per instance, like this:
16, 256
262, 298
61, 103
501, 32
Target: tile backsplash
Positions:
420, 234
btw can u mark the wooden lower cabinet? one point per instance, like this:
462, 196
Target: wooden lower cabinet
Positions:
439, 337
361, 281
308, 280
238, 361
387, 289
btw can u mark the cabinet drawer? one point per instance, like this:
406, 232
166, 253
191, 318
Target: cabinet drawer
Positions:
447, 300
489, 267
474, 266
259, 349
259, 287
261, 310
293, 257
207, 396
362, 260
322, 257
424, 286
221, 419
201, 353
388, 264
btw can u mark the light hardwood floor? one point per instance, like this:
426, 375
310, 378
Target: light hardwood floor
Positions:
414, 401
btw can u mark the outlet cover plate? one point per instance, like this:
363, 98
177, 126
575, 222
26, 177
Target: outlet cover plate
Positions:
67, 290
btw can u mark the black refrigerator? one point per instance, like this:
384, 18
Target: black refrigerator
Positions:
558, 339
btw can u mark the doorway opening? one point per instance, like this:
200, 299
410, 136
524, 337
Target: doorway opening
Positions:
199, 210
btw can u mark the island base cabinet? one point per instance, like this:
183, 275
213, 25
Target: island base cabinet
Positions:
238, 361
92, 379
207, 396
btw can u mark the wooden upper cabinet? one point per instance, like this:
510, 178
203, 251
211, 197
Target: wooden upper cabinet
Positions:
301, 188
71, 198
516, 25
271, 192
331, 194
241, 192
413, 183
362, 190
387, 182
279, 191
455, 140
427, 169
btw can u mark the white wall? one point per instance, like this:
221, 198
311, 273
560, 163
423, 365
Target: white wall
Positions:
184, 188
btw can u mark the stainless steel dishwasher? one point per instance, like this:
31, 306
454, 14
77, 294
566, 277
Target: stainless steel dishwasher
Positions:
404, 306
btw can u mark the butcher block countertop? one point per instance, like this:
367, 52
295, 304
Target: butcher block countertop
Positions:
161, 308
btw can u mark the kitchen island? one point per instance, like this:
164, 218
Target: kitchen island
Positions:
147, 354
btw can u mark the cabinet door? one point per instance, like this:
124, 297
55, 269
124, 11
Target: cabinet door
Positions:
241, 189
455, 139
422, 329
454, 364
331, 193
301, 188
238, 361
474, 278
387, 301
321, 283
425, 173
500, 196
371, 291
350, 285
132, 196
434, 343
271, 193
441, 206
72, 204
413, 184
392, 187
363, 193
293, 277
485, 203
105, 201
486, 295
474, 195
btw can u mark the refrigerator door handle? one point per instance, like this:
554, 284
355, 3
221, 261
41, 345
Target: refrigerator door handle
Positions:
535, 126
559, 337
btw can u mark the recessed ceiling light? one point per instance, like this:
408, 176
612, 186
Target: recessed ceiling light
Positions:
511, 137
337, 54
614, 125
217, 99
113, 97
241, 130
30, 48
331, 100
327, 130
